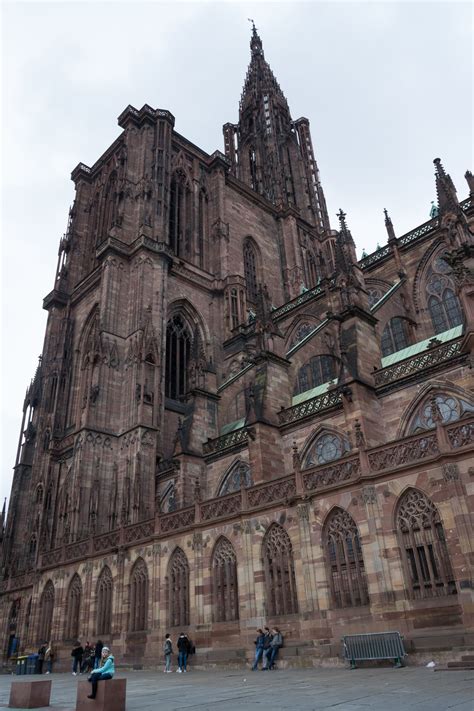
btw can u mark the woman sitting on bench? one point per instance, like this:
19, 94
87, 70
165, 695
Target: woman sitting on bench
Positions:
105, 671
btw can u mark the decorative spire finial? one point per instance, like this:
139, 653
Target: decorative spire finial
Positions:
255, 41
342, 220
389, 226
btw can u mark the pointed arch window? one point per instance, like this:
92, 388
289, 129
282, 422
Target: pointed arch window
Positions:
345, 563
238, 475
178, 589
443, 304
394, 336
447, 407
178, 348
326, 448
46, 607
139, 597
425, 555
280, 582
319, 370
250, 270
105, 589
224, 582
73, 608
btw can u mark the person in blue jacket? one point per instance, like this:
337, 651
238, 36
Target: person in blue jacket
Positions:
106, 670
259, 644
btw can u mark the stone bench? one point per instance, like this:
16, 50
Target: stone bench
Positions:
111, 695
30, 694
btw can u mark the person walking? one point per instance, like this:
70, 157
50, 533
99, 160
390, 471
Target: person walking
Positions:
267, 639
168, 650
105, 671
49, 657
98, 653
275, 644
258, 648
183, 651
77, 654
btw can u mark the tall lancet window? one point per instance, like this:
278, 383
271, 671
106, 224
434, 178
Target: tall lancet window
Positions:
250, 270
178, 346
202, 226
253, 169
180, 212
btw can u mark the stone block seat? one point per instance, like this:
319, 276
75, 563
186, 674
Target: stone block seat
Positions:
111, 696
30, 694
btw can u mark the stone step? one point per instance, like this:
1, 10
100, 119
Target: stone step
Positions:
460, 665
467, 658
453, 669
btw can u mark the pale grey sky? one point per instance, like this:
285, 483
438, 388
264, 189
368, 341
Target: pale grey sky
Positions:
387, 87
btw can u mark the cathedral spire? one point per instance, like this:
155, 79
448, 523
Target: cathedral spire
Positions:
269, 151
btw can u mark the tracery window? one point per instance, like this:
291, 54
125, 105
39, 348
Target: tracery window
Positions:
394, 336
280, 582
425, 554
320, 369
250, 270
139, 597
178, 589
178, 348
168, 500
46, 607
345, 563
446, 407
73, 608
239, 475
105, 589
301, 332
224, 582
443, 304
374, 294
328, 447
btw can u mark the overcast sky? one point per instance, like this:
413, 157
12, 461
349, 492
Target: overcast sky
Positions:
387, 87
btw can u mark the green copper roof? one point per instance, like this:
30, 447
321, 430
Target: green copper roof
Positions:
421, 346
231, 426
314, 392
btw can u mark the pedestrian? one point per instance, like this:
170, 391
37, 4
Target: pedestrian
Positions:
168, 650
88, 658
267, 639
40, 660
275, 644
183, 651
258, 648
106, 670
98, 653
49, 657
77, 654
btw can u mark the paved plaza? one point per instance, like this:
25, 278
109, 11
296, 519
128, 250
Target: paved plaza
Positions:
382, 689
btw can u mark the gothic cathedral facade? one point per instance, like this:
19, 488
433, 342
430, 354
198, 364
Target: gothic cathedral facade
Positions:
236, 422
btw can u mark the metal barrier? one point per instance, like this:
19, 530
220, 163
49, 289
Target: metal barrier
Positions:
377, 645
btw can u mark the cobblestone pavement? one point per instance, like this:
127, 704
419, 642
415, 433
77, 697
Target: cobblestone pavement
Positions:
380, 689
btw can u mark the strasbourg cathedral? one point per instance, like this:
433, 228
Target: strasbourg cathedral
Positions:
236, 422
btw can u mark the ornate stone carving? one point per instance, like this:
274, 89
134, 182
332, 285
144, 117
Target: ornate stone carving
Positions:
369, 495
450, 471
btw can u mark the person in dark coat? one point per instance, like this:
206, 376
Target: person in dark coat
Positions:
77, 654
183, 651
98, 653
267, 639
275, 644
40, 660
